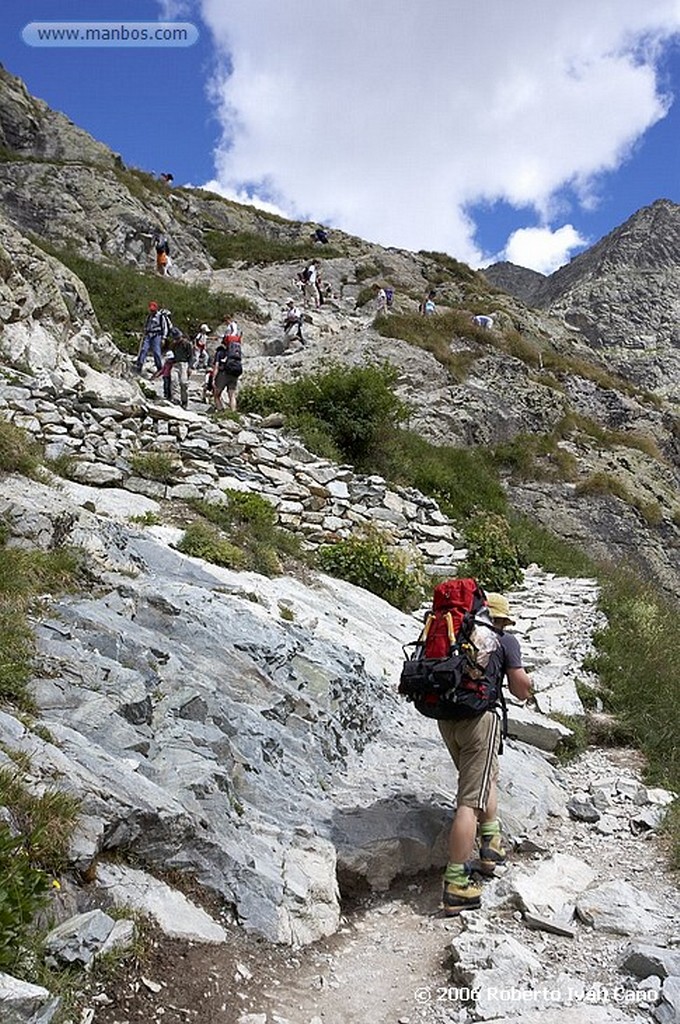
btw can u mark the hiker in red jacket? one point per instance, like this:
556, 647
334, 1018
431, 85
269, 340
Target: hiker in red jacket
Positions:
473, 744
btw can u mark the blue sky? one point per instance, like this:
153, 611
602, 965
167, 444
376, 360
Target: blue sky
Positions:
484, 130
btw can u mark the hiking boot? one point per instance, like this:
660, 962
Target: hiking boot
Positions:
491, 855
457, 898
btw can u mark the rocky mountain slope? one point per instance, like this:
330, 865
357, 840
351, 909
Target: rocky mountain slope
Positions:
621, 295
240, 730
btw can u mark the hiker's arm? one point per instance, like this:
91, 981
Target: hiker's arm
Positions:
519, 683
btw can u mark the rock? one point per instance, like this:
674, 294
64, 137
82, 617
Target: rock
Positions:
643, 960
622, 909
553, 885
173, 912
80, 939
668, 1010
23, 1003
544, 733
582, 809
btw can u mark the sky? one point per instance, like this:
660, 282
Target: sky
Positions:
485, 129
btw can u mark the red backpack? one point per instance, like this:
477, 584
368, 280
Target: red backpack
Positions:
451, 602
450, 672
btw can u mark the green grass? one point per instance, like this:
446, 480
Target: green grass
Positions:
120, 296
242, 533
638, 662
19, 453
155, 466
606, 484
227, 248
24, 575
435, 334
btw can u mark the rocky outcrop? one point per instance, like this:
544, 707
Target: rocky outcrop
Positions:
29, 128
519, 281
621, 295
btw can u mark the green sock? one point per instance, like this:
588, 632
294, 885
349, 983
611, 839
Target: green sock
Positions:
488, 829
456, 874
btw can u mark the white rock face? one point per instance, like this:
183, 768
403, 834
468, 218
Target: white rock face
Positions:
173, 912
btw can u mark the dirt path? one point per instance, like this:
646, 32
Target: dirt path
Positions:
391, 960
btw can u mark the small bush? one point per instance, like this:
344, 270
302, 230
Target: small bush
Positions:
537, 544
367, 561
248, 522
155, 466
24, 891
493, 557
23, 575
203, 540
605, 484
148, 518
45, 821
353, 407
571, 746
18, 452
459, 479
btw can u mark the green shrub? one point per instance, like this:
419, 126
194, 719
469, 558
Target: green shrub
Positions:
368, 561
148, 518
248, 247
19, 453
23, 575
203, 540
570, 747
249, 523
605, 483
493, 557
155, 466
536, 457
537, 544
459, 479
354, 407
638, 662
24, 891
453, 269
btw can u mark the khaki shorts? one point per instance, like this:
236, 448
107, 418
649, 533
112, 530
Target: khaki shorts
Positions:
473, 744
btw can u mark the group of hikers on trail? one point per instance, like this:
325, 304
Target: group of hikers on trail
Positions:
455, 675
175, 357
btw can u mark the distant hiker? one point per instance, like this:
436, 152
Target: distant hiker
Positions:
389, 297
201, 357
381, 300
428, 307
292, 324
310, 287
320, 235
165, 373
166, 178
228, 367
156, 329
473, 744
181, 364
162, 254
232, 329
485, 322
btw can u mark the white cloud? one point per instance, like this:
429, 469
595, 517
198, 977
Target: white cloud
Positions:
393, 120
542, 249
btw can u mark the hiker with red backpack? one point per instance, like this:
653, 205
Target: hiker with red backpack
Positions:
227, 366
456, 676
